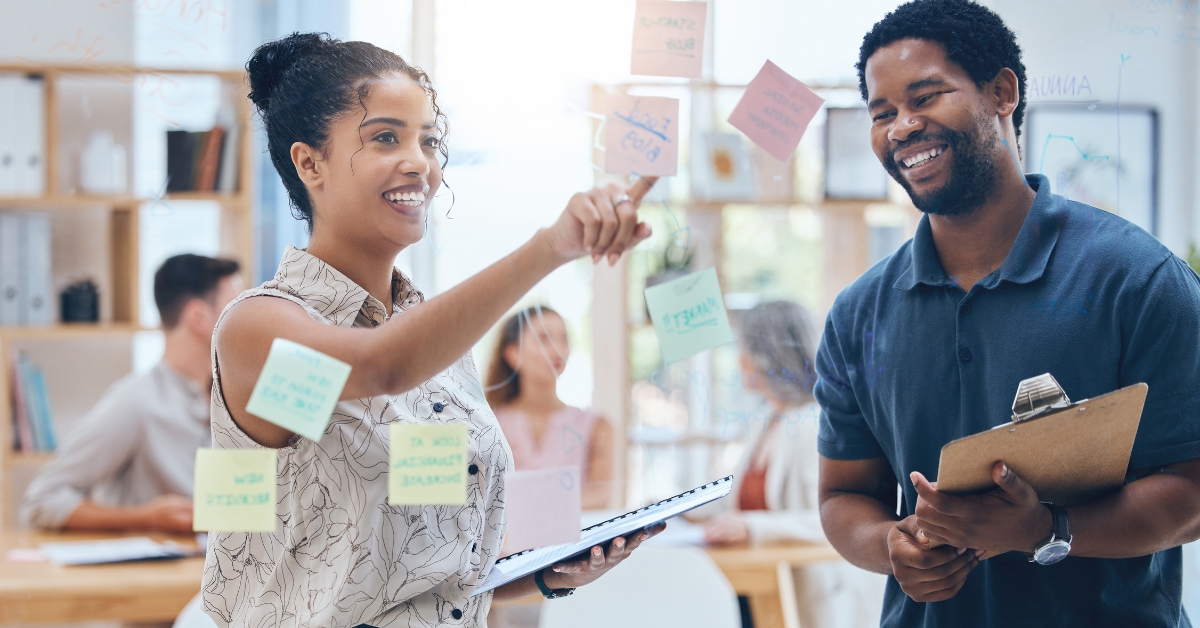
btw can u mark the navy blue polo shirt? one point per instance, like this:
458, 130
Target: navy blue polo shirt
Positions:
909, 362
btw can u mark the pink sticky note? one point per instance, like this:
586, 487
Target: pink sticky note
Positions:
542, 508
775, 111
641, 135
668, 38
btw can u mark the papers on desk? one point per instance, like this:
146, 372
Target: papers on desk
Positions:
112, 551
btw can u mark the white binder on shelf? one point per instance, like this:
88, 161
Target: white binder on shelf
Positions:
30, 138
9, 84
37, 304
10, 268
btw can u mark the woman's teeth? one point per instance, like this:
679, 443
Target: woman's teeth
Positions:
920, 158
410, 199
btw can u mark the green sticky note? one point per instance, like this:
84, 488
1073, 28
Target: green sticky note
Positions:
298, 388
234, 491
428, 464
689, 315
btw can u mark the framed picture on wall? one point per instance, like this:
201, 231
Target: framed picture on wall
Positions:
852, 171
1101, 155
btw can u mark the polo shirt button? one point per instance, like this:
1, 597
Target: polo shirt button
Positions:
457, 614
964, 355
439, 406
473, 469
966, 309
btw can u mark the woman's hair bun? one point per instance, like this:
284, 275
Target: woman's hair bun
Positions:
270, 60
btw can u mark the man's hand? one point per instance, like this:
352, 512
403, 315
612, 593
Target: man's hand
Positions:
1006, 518
168, 513
927, 575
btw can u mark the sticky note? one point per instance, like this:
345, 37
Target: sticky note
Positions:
298, 388
542, 508
234, 490
428, 464
689, 315
775, 110
641, 135
668, 38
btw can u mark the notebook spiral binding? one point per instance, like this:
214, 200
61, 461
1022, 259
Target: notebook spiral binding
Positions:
724, 480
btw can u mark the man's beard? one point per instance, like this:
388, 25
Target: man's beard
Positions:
972, 170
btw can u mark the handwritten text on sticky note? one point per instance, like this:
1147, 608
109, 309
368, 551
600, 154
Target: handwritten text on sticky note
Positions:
668, 38
689, 315
641, 135
775, 110
298, 388
234, 490
428, 464
542, 507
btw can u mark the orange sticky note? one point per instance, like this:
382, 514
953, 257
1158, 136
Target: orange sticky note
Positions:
542, 508
668, 38
641, 135
775, 111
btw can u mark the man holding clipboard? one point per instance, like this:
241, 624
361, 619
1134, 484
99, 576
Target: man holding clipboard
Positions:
1003, 281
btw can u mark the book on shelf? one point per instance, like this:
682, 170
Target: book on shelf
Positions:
25, 273
32, 417
202, 161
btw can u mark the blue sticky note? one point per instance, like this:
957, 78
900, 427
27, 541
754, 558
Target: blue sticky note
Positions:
689, 315
298, 388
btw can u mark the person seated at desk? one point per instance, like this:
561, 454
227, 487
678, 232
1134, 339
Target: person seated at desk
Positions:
129, 462
774, 497
542, 431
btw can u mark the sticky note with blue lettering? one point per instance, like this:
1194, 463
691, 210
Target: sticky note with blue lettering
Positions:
234, 490
428, 464
641, 135
298, 388
668, 38
689, 315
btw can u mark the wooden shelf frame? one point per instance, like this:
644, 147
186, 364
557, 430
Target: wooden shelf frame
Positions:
236, 216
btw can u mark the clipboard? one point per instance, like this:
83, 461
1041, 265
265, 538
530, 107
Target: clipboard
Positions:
521, 564
1070, 453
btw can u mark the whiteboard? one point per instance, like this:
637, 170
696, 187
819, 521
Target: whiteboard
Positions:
1081, 148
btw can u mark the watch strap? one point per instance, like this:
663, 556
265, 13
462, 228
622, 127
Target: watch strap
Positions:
1062, 525
547, 592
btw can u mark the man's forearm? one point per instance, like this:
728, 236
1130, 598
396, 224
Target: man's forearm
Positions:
92, 516
1149, 515
857, 526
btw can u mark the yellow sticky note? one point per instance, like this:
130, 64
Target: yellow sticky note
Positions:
428, 464
298, 388
235, 490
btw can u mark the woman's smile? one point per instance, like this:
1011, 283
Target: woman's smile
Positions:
407, 199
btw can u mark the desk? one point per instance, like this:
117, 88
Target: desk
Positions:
763, 573
43, 592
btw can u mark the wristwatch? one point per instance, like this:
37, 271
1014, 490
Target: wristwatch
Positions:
1058, 545
549, 593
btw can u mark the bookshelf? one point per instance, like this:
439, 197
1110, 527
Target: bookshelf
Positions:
98, 235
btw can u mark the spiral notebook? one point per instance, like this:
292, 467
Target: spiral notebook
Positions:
521, 564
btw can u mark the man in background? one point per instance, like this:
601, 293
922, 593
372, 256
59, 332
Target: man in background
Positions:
129, 463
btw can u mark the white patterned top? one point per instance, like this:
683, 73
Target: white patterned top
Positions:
340, 555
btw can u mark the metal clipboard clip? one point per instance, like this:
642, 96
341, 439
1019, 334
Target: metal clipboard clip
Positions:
1037, 396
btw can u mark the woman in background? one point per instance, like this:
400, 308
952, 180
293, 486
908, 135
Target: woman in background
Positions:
774, 496
543, 431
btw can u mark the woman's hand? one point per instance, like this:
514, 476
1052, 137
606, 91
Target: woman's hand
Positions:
600, 223
729, 529
574, 574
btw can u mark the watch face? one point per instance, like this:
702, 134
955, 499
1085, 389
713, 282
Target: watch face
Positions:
1051, 553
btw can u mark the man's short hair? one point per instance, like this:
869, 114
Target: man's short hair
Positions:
186, 277
974, 37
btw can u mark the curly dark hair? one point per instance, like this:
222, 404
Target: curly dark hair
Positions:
974, 37
301, 82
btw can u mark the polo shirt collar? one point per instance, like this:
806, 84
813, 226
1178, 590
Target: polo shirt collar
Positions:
1025, 262
336, 296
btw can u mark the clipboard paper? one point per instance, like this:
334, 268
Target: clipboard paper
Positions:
521, 564
1069, 456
